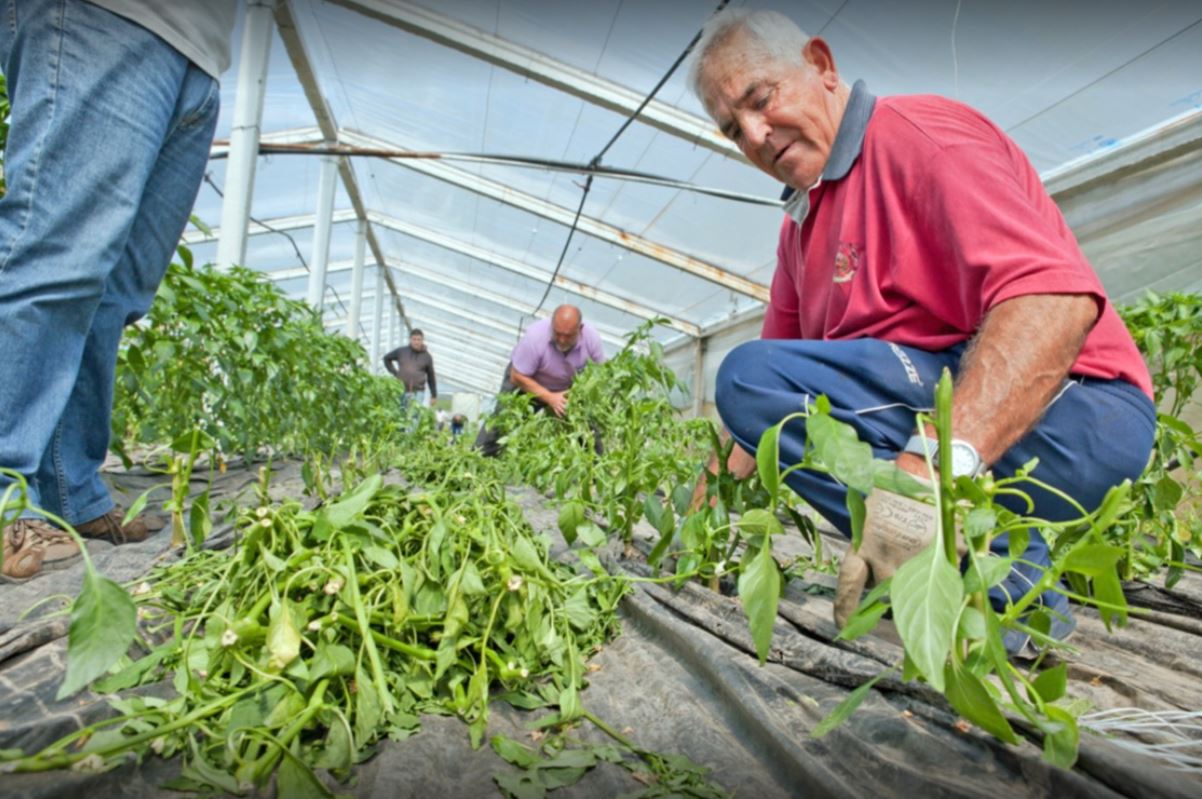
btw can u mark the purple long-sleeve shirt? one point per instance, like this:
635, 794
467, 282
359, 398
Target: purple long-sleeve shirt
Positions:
537, 357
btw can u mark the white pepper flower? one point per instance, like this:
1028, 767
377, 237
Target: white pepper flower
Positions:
261, 512
515, 582
143, 588
332, 587
315, 626
157, 745
229, 638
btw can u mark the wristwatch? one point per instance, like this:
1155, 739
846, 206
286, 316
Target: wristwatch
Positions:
966, 461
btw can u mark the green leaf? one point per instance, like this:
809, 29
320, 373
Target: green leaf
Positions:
520, 786
760, 522
331, 660
837, 447
858, 512
1061, 737
759, 591
862, 621
653, 509
1051, 684
103, 624
352, 504
513, 752
968, 696
926, 594
591, 535
986, 571
846, 707
283, 638
139, 504
767, 461
296, 780
380, 556
571, 516
1093, 560
979, 522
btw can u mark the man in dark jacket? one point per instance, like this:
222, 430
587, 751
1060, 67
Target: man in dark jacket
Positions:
414, 366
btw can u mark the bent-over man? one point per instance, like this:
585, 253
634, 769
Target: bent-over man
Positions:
544, 363
917, 237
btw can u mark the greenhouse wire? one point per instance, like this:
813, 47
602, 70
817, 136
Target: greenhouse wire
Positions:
614, 173
337, 297
595, 163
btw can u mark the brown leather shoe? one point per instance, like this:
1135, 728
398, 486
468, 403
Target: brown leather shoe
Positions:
109, 527
32, 546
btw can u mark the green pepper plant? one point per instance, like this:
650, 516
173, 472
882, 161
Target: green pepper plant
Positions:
1168, 331
951, 634
225, 351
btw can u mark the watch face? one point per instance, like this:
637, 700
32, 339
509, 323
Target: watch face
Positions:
965, 460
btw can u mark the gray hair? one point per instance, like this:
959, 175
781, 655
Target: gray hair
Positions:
767, 37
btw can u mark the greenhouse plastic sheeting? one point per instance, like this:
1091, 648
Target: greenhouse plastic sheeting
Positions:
1068, 81
681, 679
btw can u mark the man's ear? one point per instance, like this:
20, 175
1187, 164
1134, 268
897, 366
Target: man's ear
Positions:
817, 53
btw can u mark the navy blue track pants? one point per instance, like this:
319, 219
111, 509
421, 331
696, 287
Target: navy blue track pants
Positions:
1094, 434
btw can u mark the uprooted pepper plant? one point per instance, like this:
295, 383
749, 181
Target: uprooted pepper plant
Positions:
413, 584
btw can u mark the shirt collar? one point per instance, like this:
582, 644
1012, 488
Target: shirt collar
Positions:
849, 140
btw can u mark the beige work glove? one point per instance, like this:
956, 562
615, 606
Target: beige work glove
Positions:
896, 528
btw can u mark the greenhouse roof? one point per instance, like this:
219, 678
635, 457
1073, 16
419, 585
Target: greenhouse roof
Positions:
471, 245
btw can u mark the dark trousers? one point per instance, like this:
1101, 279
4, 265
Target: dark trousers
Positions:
1094, 434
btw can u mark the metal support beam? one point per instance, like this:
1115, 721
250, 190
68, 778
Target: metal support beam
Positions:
377, 317
321, 234
556, 213
543, 69
610, 335
311, 135
282, 223
393, 343
698, 376
518, 267
302, 65
244, 133
352, 319
479, 253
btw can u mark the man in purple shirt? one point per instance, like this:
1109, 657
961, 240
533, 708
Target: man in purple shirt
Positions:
544, 363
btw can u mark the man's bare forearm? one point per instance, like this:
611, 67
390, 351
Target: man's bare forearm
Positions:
1015, 365
528, 384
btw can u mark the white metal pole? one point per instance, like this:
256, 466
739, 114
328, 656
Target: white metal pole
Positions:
698, 376
321, 232
352, 318
244, 133
393, 319
377, 321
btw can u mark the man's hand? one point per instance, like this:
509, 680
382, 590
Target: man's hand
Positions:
557, 401
433, 400
896, 528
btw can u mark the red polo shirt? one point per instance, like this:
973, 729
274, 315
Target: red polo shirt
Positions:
940, 218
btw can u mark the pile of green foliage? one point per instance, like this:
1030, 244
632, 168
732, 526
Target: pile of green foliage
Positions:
227, 352
327, 631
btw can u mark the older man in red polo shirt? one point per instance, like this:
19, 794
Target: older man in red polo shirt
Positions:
917, 236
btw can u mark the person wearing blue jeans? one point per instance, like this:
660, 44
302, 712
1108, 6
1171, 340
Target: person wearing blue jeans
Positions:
114, 104
917, 236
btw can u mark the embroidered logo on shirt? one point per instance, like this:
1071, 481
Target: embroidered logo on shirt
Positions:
847, 262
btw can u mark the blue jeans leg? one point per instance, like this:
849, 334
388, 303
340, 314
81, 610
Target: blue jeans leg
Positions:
1094, 435
109, 139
